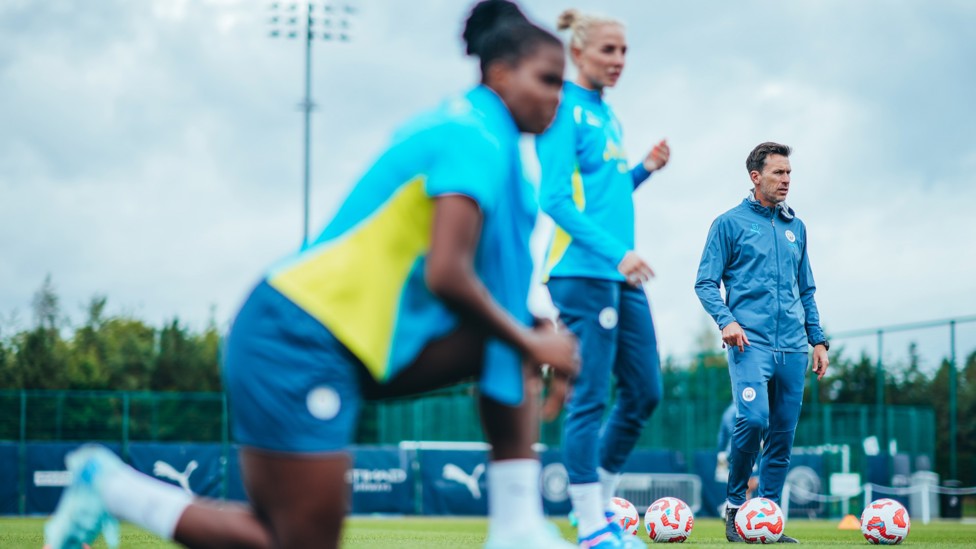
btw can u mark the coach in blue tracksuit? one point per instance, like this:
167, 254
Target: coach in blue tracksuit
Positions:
758, 250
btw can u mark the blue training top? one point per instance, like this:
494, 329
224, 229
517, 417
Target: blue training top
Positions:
587, 187
363, 277
760, 255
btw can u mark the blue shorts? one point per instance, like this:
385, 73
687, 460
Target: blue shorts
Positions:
291, 385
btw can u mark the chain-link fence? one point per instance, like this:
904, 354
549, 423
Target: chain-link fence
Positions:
684, 421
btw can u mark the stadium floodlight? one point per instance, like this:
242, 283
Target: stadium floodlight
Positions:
309, 21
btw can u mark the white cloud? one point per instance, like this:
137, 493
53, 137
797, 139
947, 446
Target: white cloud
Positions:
152, 151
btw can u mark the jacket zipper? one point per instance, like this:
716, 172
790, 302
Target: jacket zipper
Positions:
779, 306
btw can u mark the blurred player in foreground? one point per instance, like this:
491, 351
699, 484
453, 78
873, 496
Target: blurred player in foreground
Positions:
758, 250
420, 280
595, 276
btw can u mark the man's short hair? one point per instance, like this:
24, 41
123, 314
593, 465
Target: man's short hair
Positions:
757, 158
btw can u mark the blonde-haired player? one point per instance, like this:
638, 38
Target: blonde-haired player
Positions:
594, 275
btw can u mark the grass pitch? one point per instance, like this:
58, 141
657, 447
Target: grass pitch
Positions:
462, 533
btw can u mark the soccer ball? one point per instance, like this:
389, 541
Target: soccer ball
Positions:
760, 520
625, 514
669, 520
885, 522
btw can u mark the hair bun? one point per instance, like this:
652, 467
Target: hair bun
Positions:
567, 18
486, 15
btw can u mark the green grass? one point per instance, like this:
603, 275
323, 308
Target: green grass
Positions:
458, 533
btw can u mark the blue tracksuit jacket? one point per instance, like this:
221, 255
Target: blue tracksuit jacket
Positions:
587, 187
760, 255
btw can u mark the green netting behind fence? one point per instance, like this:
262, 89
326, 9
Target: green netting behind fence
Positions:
684, 424
108, 416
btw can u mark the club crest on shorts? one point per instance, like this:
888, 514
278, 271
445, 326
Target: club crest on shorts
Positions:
323, 402
790, 236
608, 318
748, 394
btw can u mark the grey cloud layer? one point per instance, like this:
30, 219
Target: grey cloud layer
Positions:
151, 150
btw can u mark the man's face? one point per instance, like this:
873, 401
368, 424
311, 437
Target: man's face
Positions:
773, 183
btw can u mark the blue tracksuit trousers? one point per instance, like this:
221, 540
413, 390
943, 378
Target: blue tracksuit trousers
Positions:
613, 323
768, 390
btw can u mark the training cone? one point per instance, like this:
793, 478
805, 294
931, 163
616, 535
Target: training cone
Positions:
849, 522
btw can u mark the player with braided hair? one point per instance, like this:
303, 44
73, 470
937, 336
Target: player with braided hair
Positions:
420, 280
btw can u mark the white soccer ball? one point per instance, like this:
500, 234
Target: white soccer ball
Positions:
885, 522
625, 514
669, 520
760, 520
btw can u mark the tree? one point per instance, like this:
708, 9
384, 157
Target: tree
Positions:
40, 353
849, 381
46, 306
912, 386
87, 368
967, 422
940, 402
6, 363
130, 349
186, 361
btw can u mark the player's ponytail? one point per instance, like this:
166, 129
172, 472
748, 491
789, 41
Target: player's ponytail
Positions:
497, 30
567, 19
580, 25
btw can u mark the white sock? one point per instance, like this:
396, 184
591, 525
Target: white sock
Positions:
588, 506
608, 485
514, 501
144, 501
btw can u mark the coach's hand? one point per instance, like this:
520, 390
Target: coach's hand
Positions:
555, 350
734, 336
658, 157
820, 361
635, 269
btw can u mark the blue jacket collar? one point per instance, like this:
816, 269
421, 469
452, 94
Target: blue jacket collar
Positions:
784, 210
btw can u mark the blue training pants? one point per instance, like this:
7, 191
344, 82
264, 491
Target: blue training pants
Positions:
768, 390
613, 323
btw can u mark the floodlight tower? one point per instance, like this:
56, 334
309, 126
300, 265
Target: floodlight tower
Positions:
309, 21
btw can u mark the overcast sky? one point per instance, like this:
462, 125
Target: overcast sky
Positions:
151, 151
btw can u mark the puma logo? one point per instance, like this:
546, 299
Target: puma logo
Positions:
165, 470
455, 473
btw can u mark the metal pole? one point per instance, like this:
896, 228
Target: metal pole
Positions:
125, 425
224, 443
59, 416
879, 395
307, 107
952, 401
22, 454
334, 24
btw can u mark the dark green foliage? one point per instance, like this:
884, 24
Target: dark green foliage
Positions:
186, 361
854, 381
120, 353
106, 352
